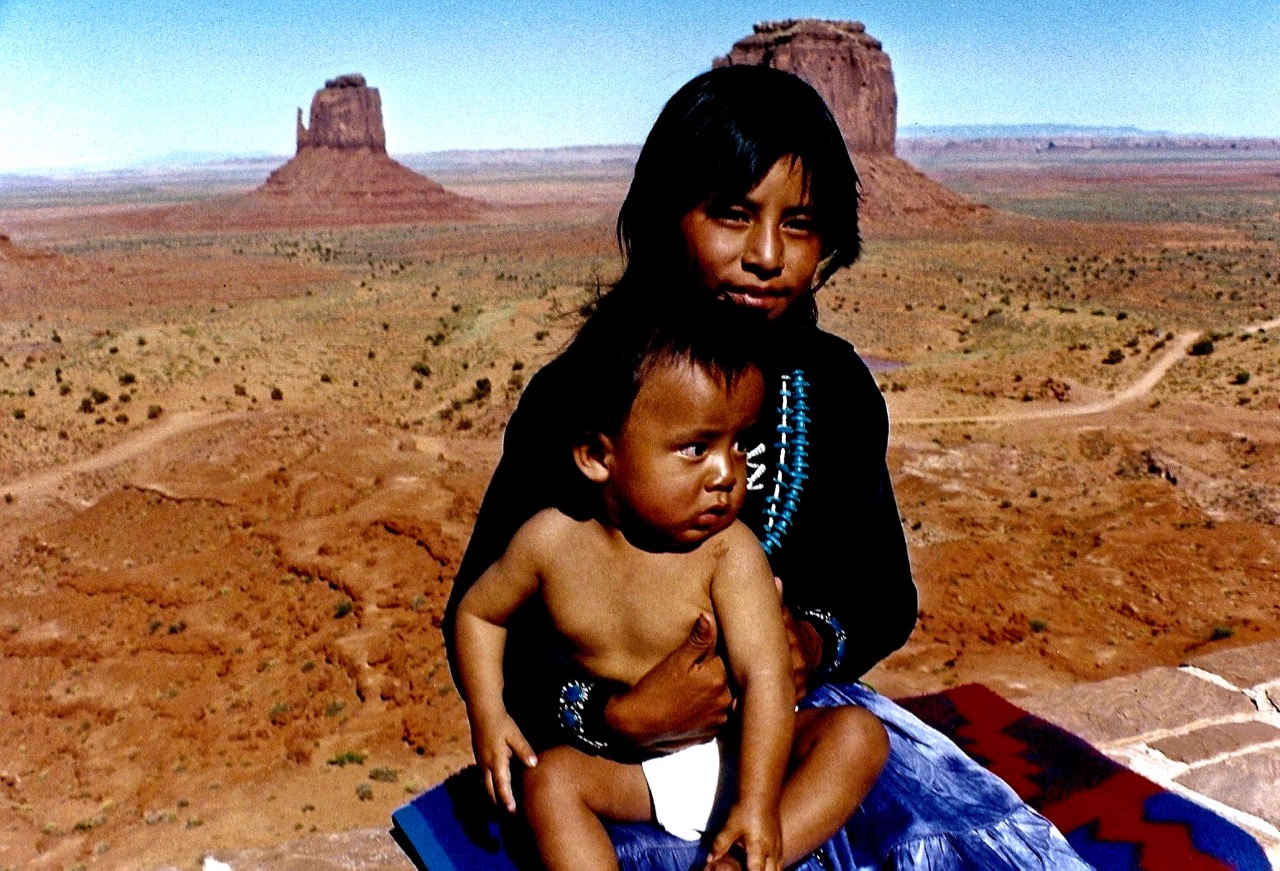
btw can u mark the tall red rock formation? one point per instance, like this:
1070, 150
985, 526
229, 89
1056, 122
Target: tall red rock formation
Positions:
341, 172
848, 67
851, 71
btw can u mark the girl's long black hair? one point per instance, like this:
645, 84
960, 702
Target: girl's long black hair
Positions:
715, 139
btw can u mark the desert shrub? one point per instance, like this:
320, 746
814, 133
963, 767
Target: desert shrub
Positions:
421, 368
127, 378
1201, 348
239, 390
383, 774
1241, 378
343, 608
64, 389
482, 390
279, 713
326, 378
1114, 356
19, 413
154, 411
349, 757
86, 405
277, 394
98, 396
364, 791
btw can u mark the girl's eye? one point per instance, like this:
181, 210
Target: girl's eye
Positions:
694, 450
801, 224
728, 212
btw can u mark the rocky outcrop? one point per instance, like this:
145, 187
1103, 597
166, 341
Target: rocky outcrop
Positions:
345, 113
851, 71
848, 67
341, 173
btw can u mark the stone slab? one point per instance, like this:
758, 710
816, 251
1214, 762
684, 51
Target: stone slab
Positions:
1250, 782
356, 850
1245, 667
1216, 740
1129, 707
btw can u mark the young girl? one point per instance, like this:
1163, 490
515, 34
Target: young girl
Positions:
745, 179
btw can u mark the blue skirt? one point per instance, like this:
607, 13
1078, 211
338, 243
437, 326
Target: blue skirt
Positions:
932, 808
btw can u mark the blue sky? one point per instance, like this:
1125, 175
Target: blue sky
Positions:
110, 83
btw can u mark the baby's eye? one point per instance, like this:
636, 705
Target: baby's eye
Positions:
696, 449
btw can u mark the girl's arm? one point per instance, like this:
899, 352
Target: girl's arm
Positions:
846, 575
749, 612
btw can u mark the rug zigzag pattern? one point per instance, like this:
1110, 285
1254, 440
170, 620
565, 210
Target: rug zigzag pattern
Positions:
1116, 819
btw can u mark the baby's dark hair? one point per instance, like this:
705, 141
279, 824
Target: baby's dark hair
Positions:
715, 139
628, 337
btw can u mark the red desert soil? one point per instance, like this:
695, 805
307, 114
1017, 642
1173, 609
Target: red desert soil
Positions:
237, 472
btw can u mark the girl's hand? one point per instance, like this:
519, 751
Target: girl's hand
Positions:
494, 745
757, 831
683, 700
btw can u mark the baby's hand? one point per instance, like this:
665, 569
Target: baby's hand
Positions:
758, 831
494, 745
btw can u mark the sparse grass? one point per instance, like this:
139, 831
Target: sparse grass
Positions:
348, 757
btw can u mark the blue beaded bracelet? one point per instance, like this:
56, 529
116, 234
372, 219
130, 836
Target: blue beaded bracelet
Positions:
574, 697
835, 633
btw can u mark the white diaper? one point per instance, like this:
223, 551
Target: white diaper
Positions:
683, 787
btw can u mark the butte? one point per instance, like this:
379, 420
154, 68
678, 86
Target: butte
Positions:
341, 173
340, 176
851, 71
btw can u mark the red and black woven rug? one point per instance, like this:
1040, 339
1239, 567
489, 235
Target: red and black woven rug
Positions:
1114, 818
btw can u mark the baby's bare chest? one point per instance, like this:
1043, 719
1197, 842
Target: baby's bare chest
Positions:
622, 617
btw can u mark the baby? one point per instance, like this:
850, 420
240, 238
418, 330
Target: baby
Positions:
663, 550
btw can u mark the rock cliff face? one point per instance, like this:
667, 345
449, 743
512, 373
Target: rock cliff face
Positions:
345, 113
844, 64
851, 71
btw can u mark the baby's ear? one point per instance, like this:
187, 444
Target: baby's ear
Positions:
593, 454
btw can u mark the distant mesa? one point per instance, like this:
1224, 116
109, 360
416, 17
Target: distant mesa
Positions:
341, 172
852, 72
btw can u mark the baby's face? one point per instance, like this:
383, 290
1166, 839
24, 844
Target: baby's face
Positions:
677, 467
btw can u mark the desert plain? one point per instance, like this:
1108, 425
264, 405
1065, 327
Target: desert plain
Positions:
238, 465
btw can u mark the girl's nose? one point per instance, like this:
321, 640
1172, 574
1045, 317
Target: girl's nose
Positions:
762, 251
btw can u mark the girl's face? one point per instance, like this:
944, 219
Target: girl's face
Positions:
762, 251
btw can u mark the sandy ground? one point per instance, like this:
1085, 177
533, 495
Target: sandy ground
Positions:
238, 470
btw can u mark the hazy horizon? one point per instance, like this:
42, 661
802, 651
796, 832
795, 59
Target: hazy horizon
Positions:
103, 88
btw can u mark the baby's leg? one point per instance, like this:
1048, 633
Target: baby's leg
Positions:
565, 796
836, 756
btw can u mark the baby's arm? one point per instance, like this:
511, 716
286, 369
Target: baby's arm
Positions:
749, 612
480, 638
